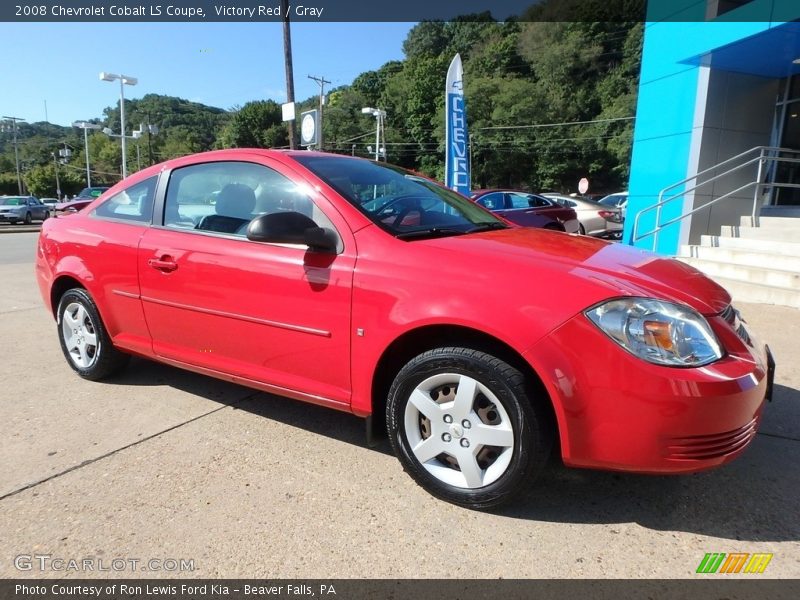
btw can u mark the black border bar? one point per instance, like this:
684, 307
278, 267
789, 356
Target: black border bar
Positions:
711, 587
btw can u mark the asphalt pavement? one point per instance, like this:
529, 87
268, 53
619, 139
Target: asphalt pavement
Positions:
161, 464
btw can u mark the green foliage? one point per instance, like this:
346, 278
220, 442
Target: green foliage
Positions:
255, 125
41, 181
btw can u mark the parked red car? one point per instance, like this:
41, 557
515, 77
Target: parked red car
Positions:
358, 286
529, 210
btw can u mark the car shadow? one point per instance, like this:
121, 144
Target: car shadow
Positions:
754, 498
341, 426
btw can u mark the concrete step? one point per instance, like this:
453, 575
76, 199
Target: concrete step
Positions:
743, 291
743, 256
763, 275
759, 245
759, 233
772, 222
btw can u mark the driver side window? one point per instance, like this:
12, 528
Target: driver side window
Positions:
223, 197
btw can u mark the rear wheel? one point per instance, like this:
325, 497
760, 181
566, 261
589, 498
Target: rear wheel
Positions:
465, 427
84, 340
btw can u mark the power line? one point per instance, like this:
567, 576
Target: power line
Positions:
539, 125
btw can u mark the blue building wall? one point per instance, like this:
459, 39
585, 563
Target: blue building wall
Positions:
670, 110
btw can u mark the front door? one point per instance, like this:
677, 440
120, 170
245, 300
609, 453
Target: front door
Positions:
273, 313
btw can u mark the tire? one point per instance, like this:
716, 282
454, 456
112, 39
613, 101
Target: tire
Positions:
83, 337
582, 230
46, 215
443, 439
28, 219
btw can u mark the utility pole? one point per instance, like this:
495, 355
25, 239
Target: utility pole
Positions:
58, 184
287, 58
16, 150
150, 140
321, 81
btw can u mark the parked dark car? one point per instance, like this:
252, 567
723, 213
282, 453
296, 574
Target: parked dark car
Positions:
91, 192
82, 200
529, 210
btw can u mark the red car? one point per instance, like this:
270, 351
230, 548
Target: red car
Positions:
357, 286
529, 210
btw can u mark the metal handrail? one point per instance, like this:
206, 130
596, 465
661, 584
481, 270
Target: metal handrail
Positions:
761, 159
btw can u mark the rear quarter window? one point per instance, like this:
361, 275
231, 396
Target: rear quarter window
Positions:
134, 204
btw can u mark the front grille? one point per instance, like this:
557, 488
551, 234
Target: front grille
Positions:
703, 447
734, 319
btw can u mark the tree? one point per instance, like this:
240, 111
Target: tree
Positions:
257, 124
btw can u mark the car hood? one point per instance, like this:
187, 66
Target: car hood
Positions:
603, 269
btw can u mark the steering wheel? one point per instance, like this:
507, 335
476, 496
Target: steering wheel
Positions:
382, 208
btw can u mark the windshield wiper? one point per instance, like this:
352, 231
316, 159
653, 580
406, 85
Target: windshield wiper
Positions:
487, 227
430, 232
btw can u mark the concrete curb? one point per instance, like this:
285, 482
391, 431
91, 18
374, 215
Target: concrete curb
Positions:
19, 228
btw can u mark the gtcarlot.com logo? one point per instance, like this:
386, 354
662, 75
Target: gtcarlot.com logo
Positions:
48, 562
735, 562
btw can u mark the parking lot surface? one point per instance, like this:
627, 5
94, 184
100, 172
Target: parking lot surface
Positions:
161, 464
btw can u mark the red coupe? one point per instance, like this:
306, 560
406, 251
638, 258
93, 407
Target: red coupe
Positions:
361, 287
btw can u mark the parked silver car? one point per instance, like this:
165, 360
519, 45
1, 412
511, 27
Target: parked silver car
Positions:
596, 219
618, 200
22, 208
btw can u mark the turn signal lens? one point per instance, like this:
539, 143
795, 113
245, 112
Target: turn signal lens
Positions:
658, 332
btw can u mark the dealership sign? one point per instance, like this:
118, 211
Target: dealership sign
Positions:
456, 162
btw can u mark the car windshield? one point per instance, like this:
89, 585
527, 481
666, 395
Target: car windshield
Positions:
406, 205
12, 201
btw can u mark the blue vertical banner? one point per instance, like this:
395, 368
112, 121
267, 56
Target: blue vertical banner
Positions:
456, 162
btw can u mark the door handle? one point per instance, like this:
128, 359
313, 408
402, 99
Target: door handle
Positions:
165, 264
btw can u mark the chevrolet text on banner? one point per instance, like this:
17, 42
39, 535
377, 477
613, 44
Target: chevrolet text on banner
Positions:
456, 164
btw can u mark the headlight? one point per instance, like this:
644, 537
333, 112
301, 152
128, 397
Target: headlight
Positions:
658, 332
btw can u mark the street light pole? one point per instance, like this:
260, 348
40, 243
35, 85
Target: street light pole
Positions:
86, 127
123, 81
137, 133
379, 115
16, 151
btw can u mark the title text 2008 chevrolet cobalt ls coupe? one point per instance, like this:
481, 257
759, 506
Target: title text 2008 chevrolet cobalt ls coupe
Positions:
365, 288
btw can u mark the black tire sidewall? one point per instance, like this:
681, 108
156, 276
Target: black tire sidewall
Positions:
28, 219
530, 442
107, 359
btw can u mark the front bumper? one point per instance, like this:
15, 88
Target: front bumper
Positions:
618, 412
10, 217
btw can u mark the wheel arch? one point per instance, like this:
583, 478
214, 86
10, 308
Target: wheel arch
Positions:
61, 284
416, 341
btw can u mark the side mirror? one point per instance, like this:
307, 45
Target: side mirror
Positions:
322, 239
292, 228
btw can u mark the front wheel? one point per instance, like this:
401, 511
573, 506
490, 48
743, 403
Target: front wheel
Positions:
46, 215
28, 218
465, 426
84, 340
